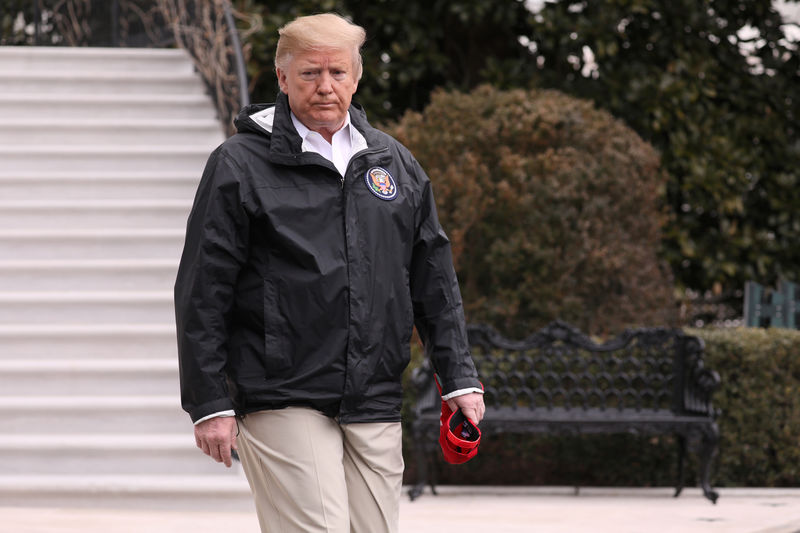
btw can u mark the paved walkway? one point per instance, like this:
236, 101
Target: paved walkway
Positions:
487, 509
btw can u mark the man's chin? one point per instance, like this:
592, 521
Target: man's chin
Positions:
330, 120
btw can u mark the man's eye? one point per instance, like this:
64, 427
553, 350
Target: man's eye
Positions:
308, 74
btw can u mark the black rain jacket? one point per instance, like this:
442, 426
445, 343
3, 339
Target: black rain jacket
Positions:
300, 288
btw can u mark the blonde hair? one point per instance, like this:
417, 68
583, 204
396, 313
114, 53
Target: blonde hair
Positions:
326, 31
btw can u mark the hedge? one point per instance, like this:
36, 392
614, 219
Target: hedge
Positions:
760, 403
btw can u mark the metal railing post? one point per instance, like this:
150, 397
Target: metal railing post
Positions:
241, 71
115, 23
37, 20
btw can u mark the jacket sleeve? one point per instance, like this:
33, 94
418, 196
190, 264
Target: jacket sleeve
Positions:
214, 251
438, 310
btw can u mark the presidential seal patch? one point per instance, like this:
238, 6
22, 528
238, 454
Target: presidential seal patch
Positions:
381, 183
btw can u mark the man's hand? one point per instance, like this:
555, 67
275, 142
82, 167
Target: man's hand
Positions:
216, 436
470, 404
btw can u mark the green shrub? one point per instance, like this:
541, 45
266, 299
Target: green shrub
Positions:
552, 206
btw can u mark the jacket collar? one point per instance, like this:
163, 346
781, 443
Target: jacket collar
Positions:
285, 145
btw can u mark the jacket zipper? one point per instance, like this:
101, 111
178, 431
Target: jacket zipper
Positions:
367, 151
347, 269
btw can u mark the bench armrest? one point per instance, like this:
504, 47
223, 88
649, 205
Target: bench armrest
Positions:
426, 395
699, 382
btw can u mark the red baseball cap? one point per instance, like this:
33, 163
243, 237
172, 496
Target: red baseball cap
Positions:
458, 436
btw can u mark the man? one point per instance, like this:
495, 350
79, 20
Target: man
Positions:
312, 249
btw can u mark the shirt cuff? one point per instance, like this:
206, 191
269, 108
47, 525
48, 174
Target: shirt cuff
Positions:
229, 412
459, 392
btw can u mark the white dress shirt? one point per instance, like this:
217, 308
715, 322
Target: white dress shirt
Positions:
341, 148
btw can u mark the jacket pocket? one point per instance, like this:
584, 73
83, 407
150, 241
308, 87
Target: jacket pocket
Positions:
277, 351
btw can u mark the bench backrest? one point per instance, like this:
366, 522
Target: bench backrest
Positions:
560, 367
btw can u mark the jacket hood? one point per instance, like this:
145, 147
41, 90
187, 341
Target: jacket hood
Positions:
256, 118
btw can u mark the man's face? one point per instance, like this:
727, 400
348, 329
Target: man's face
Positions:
320, 85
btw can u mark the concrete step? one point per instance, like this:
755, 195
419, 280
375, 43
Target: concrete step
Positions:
75, 415
88, 341
101, 454
86, 276
97, 307
112, 131
118, 106
99, 185
53, 84
115, 244
72, 59
218, 492
89, 214
121, 158
110, 377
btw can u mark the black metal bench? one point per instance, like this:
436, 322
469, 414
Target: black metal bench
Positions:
646, 381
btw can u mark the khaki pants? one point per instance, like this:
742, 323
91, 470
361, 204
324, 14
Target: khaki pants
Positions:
310, 474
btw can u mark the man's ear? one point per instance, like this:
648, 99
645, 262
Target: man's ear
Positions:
281, 80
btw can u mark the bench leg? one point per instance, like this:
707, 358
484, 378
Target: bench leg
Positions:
708, 450
422, 464
681, 465
432, 473
425, 475
415, 491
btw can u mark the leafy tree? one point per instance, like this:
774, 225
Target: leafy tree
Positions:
412, 47
715, 85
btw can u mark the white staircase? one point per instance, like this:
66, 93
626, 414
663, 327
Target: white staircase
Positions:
100, 153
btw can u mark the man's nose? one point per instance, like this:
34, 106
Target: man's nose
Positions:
325, 83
